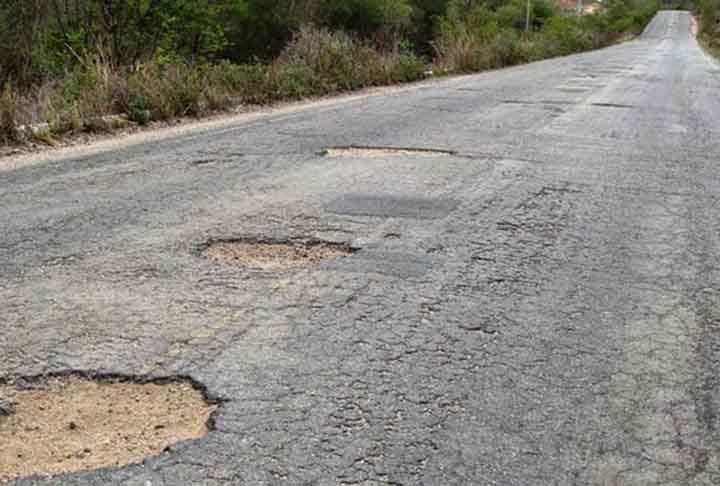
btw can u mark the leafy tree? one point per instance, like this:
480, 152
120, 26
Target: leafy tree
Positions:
385, 21
44, 39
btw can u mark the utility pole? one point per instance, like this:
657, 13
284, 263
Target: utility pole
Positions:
527, 16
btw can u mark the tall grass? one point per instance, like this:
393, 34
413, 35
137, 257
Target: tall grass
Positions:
9, 115
319, 61
316, 62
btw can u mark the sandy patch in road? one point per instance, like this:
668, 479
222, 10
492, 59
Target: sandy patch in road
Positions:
72, 424
273, 256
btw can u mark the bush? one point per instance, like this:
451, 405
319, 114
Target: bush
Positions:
80, 100
235, 78
630, 16
709, 15
470, 36
328, 61
566, 35
319, 61
476, 52
477, 36
460, 54
316, 62
167, 90
399, 66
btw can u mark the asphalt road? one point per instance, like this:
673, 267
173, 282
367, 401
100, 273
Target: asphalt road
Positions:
540, 307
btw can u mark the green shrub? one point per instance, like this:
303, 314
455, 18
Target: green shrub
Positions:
248, 82
459, 54
505, 49
328, 61
167, 90
709, 15
400, 66
622, 24
80, 100
511, 15
630, 16
183, 80
319, 62
566, 35
384, 21
475, 52
485, 35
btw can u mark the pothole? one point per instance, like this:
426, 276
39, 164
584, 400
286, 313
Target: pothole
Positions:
69, 424
203, 162
539, 102
275, 255
367, 151
572, 89
612, 105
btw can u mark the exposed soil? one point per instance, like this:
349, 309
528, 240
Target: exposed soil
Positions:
72, 424
274, 256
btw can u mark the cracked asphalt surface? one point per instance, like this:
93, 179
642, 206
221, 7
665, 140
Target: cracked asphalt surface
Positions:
541, 307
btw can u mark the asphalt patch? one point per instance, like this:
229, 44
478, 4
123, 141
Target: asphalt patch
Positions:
271, 255
386, 206
388, 263
70, 424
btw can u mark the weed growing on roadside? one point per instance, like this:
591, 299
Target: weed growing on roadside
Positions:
9, 115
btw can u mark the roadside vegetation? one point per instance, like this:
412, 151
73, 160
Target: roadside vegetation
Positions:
708, 14
74, 66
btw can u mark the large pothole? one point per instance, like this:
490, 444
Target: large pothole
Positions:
69, 424
275, 255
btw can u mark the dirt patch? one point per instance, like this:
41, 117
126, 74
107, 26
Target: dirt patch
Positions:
368, 152
70, 424
269, 255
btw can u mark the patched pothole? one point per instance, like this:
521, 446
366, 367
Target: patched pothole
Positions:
367, 151
275, 255
69, 424
391, 206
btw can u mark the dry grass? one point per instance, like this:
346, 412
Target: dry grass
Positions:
9, 116
317, 62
